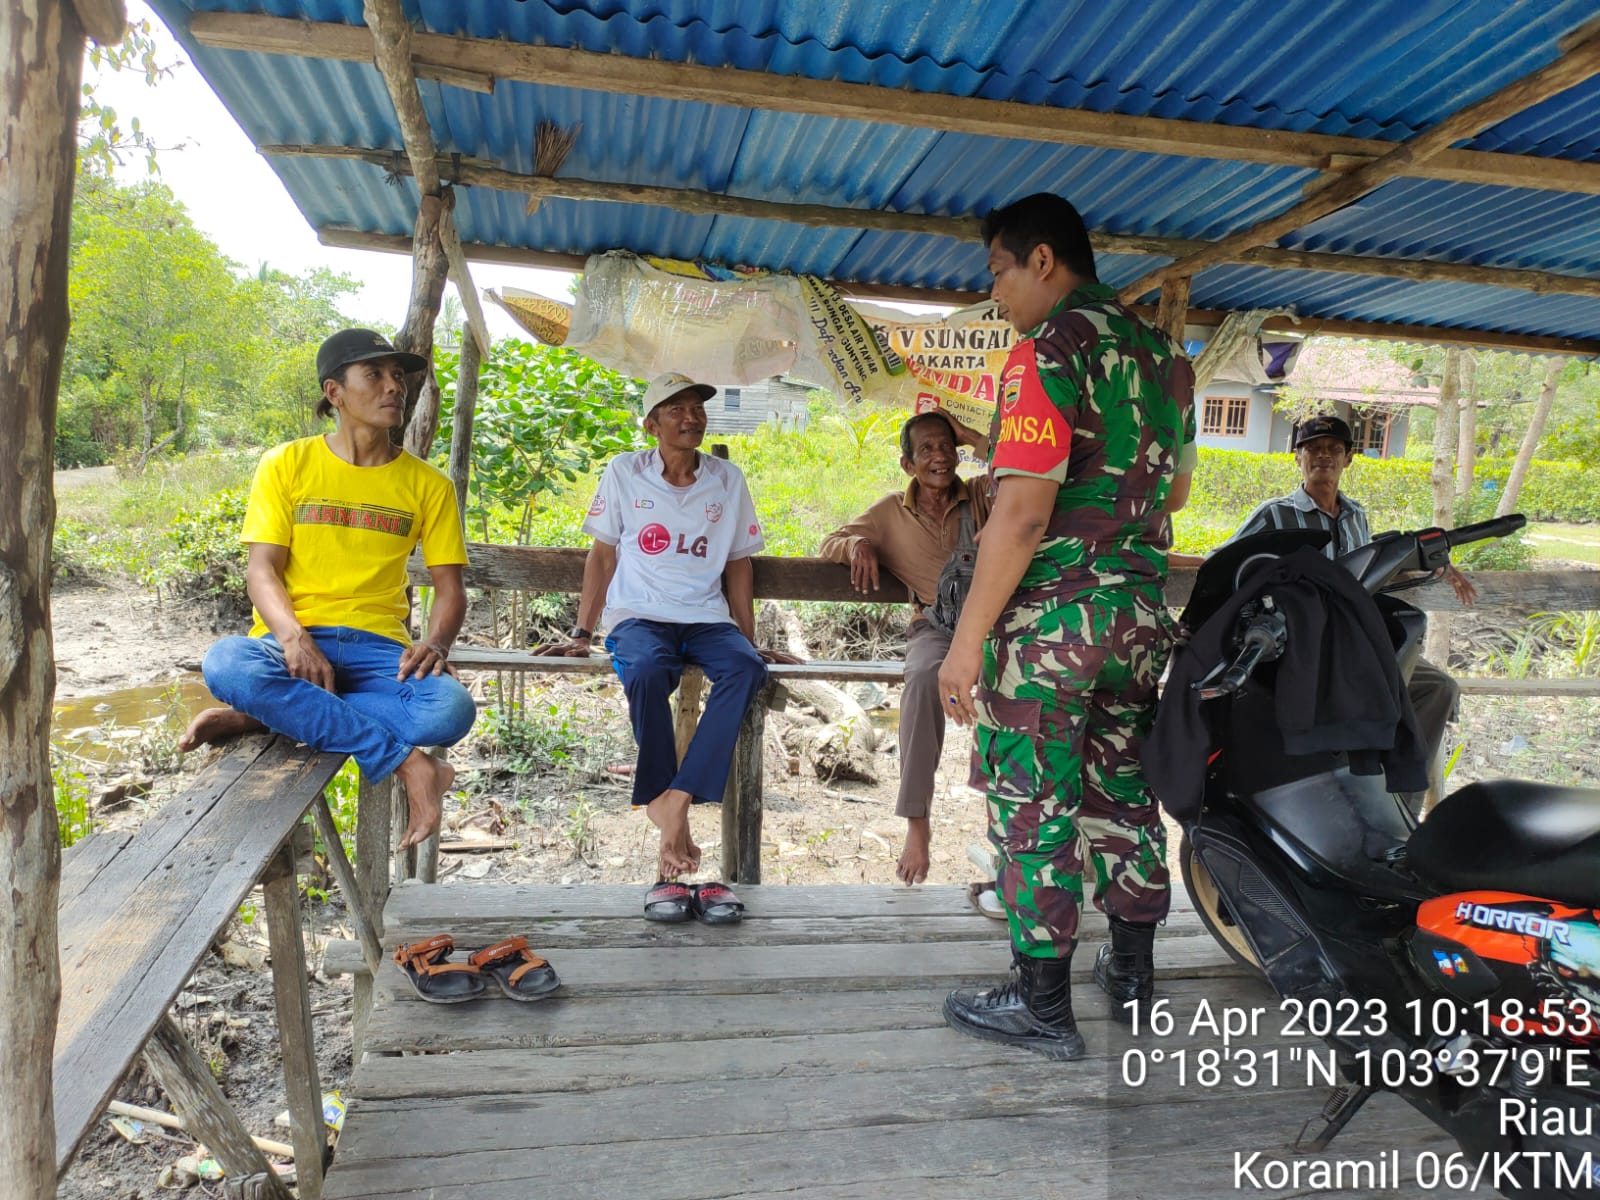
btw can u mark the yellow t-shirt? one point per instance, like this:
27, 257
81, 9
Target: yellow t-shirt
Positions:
349, 531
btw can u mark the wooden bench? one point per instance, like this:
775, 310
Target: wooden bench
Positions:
138, 911
560, 569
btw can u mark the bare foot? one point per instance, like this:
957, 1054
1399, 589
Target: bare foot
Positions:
669, 812
214, 724
913, 865
426, 780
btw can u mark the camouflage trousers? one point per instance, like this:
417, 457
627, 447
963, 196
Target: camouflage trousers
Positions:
1064, 703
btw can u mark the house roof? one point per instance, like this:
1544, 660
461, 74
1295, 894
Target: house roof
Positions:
1260, 86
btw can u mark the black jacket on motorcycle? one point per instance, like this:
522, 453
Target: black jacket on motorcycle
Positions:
1338, 684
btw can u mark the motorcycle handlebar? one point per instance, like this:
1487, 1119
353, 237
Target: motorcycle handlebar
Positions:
1493, 528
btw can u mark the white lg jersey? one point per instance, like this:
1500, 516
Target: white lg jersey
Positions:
672, 542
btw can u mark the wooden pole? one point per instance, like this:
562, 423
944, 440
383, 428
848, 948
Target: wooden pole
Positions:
41, 66
1577, 65
1172, 314
185, 1078
296, 1038
476, 173
461, 428
355, 901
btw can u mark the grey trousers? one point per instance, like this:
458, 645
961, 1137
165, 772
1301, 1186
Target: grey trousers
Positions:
921, 719
1434, 696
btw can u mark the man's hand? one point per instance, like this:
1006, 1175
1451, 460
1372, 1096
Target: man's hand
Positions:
1464, 590
572, 648
778, 656
957, 677
864, 567
305, 660
426, 657
968, 436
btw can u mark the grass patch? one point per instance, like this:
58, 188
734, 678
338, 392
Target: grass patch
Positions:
1558, 541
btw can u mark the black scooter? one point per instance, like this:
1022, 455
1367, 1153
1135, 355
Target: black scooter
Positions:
1456, 961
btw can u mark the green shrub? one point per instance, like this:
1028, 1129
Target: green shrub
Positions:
74, 820
206, 556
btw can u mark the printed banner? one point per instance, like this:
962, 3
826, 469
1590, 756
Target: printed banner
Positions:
647, 316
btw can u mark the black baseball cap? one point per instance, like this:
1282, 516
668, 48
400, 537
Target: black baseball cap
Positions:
1323, 427
359, 345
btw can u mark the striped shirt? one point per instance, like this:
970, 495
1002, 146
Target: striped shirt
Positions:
1299, 511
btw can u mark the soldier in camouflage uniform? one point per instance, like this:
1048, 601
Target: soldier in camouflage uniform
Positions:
1065, 631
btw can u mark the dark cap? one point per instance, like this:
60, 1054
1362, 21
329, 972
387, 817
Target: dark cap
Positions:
1323, 427
359, 345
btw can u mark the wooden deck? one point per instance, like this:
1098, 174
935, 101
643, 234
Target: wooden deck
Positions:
803, 1055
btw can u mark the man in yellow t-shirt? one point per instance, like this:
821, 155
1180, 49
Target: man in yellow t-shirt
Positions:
330, 524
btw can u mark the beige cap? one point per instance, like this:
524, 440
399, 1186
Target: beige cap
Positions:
664, 387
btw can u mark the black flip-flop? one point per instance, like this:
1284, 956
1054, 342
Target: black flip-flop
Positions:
668, 902
521, 974
435, 979
715, 904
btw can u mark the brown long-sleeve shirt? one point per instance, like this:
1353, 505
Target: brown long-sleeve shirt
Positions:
910, 544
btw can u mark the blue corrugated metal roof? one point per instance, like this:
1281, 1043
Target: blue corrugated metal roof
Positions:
1381, 70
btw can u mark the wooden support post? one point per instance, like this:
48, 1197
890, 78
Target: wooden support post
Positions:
741, 801
296, 1038
374, 831
404, 859
461, 426
354, 901
691, 687
1172, 314
428, 851
195, 1096
41, 67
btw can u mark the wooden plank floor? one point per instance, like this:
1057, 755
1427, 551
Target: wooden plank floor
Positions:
803, 1055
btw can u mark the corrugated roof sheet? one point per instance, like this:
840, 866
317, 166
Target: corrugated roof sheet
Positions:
1384, 70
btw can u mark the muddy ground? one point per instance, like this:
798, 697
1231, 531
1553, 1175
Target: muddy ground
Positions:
551, 793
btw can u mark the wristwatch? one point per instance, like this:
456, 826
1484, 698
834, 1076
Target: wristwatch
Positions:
579, 634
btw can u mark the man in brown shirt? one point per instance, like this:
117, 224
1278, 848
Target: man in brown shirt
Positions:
913, 534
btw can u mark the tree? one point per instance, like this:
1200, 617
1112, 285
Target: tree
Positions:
1467, 442
1445, 430
1530, 440
543, 415
157, 318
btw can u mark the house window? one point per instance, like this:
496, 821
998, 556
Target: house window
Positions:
1371, 432
730, 398
1225, 416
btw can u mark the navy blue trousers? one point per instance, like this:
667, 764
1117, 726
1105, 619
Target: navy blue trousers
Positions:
649, 658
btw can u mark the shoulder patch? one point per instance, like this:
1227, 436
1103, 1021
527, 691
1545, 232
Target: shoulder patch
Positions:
1035, 435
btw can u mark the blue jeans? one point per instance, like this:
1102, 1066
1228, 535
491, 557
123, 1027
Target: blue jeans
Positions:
648, 657
375, 718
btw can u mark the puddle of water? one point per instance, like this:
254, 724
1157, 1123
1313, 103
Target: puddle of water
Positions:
886, 721
104, 727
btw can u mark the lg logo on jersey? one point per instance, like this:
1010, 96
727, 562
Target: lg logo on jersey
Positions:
656, 539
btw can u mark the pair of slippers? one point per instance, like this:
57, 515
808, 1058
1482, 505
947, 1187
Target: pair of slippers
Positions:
710, 903
518, 971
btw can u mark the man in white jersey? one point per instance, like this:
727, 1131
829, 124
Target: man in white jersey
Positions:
673, 533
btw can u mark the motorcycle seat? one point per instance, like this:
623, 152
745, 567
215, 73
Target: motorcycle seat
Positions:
1514, 836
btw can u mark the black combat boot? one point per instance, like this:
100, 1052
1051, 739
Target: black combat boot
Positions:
1034, 1009
1125, 968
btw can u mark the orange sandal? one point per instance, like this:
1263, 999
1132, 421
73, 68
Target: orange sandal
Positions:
521, 974
435, 979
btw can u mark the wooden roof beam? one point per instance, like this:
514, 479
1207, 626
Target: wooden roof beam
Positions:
730, 86
479, 173
1578, 64
516, 256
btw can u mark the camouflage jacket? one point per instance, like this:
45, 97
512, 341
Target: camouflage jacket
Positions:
1102, 403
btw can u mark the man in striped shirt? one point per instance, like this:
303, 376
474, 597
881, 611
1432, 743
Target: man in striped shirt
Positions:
1323, 449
